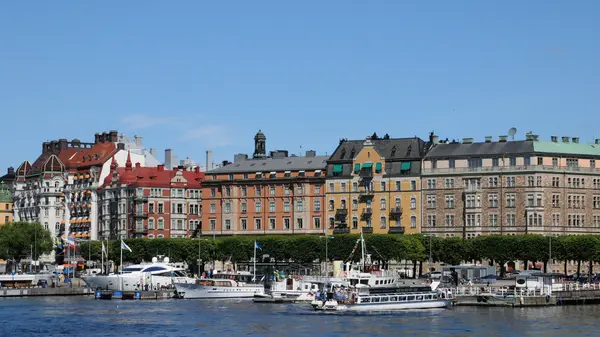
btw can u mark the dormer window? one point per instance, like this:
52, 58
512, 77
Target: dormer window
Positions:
393, 154
352, 153
343, 154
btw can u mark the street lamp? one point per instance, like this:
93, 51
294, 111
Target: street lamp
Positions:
199, 256
327, 237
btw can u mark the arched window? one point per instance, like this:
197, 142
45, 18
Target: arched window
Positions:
161, 224
413, 221
382, 221
151, 223
413, 203
355, 222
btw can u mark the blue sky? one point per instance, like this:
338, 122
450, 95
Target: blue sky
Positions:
193, 75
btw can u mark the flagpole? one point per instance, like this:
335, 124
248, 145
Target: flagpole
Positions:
102, 256
254, 271
121, 266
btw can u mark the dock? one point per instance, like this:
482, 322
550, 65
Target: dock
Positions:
39, 291
273, 300
134, 295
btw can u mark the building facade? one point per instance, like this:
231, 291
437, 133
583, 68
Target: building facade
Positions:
374, 186
149, 202
6, 202
265, 194
511, 187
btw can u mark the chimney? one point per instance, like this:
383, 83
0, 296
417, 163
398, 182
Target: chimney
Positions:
138, 141
168, 159
236, 159
209, 160
11, 170
114, 136
311, 153
224, 163
575, 140
467, 140
97, 137
488, 139
45, 147
502, 139
554, 139
153, 152
565, 139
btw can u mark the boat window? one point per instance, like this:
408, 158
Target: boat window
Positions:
364, 282
365, 300
411, 298
385, 299
420, 298
154, 268
402, 298
428, 297
375, 300
131, 269
394, 299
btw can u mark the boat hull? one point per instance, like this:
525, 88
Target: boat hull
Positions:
131, 282
370, 307
198, 291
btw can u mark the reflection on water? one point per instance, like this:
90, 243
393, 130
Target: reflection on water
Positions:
89, 317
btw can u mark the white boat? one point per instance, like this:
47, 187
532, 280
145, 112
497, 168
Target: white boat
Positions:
360, 300
151, 276
238, 285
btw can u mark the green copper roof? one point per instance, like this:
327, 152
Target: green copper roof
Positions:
567, 148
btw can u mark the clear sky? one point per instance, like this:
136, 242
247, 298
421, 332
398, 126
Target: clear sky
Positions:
193, 75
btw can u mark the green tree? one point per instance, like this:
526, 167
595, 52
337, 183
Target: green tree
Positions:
18, 240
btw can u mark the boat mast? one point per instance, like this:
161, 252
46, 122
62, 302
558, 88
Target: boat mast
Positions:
362, 246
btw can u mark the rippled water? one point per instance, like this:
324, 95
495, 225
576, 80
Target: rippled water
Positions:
89, 317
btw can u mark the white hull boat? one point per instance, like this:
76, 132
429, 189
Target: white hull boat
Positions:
386, 302
201, 291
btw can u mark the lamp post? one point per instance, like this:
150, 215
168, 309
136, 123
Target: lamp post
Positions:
327, 237
199, 256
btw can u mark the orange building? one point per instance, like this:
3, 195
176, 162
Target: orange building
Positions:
274, 194
6, 202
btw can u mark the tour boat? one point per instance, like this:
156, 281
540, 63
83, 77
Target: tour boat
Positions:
361, 300
150, 276
237, 285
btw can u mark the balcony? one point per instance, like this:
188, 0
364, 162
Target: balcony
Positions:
340, 216
396, 212
140, 215
142, 231
366, 213
366, 173
367, 230
341, 230
366, 193
396, 230
140, 199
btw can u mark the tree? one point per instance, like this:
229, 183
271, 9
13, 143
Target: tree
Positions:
19, 240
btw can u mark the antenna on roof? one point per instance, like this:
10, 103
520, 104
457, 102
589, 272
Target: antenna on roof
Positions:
512, 132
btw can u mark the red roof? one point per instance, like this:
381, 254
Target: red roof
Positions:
156, 177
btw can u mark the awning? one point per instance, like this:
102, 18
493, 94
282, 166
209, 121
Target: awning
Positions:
356, 168
337, 168
378, 167
367, 165
405, 166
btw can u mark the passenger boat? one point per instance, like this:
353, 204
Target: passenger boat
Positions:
235, 285
155, 275
361, 300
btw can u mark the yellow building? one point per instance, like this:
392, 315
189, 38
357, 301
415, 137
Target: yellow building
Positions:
375, 184
6, 205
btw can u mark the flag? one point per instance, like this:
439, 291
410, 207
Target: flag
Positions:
124, 245
103, 249
256, 246
71, 242
59, 243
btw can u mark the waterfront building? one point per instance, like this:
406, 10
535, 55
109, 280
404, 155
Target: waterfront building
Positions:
266, 194
149, 202
6, 212
511, 187
67, 172
374, 185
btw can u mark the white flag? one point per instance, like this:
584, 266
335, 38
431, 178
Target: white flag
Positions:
103, 249
124, 245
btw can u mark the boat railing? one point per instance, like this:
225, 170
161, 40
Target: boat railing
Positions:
498, 291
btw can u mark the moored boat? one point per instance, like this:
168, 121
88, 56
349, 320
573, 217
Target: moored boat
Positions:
239, 285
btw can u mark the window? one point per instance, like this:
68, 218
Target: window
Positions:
257, 207
317, 205
227, 191
258, 223
227, 207
449, 183
258, 190
272, 190
430, 184
383, 186
151, 207
213, 208
540, 161
354, 204
300, 223
511, 200
161, 208
413, 203
493, 200
592, 163
493, 181
511, 182
495, 162
473, 220
272, 206
227, 224
449, 220
244, 191
413, 221
161, 223
431, 220
555, 162
398, 185
474, 163
527, 161
449, 201
244, 207
354, 187
286, 206
572, 163
596, 202
451, 163
286, 189
511, 220
331, 187
512, 161
383, 203
286, 223
538, 181
343, 187
382, 222
472, 201
535, 220
555, 182
556, 220
556, 200
354, 222
299, 205
431, 202
244, 224
151, 223
271, 223
530, 181
317, 189
317, 223
493, 218
596, 220
213, 192
413, 185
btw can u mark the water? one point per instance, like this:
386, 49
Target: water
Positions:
88, 317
